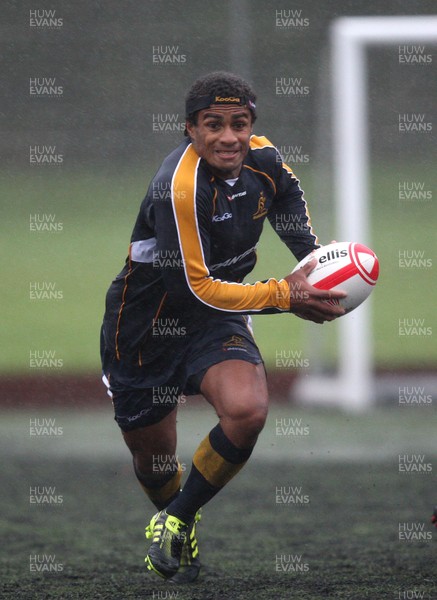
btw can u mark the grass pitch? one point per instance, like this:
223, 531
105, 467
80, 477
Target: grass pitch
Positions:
323, 512
95, 213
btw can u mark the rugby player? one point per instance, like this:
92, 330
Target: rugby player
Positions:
177, 316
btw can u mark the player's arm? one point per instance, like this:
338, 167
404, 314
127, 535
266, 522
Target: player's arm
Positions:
290, 218
183, 229
289, 215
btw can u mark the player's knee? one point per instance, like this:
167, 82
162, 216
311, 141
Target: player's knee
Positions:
154, 470
256, 420
249, 417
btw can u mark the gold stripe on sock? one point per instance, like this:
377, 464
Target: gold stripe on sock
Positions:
169, 489
216, 470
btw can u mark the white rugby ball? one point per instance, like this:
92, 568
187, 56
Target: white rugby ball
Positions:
347, 266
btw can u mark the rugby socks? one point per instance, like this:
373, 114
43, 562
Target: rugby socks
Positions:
215, 462
163, 492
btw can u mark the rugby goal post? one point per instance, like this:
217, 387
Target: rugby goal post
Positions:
353, 385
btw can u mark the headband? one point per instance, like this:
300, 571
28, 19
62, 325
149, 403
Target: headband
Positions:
201, 102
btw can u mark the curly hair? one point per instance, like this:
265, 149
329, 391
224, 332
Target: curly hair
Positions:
219, 83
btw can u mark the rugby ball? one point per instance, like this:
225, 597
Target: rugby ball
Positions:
347, 266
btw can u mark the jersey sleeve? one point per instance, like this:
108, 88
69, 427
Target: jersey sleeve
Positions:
289, 215
182, 227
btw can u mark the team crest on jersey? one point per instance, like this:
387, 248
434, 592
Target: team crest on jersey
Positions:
261, 210
235, 342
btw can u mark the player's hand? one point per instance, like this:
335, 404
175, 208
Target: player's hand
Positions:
308, 302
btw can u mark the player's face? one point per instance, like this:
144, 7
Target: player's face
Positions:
221, 137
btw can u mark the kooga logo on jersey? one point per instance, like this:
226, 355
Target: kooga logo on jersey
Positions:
223, 217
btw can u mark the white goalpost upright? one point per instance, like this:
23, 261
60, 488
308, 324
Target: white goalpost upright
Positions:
353, 386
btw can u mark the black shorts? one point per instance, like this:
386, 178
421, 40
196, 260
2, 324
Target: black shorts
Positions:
144, 395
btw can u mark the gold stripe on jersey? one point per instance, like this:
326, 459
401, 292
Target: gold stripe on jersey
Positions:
264, 174
123, 302
258, 142
214, 199
159, 309
223, 295
287, 168
155, 318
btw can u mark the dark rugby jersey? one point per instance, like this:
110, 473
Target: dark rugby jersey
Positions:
194, 242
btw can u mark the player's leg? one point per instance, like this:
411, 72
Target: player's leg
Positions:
156, 467
225, 365
147, 419
238, 391
152, 442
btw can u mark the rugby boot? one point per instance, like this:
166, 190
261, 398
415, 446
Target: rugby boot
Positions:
168, 535
190, 561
